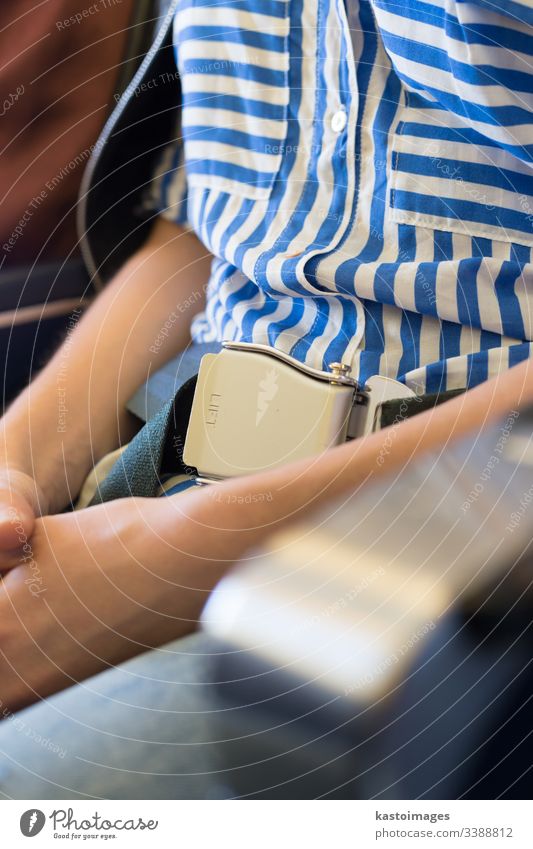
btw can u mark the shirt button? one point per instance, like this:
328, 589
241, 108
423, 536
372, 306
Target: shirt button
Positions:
339, 121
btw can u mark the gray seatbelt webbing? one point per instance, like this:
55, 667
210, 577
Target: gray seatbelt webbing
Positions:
163, 402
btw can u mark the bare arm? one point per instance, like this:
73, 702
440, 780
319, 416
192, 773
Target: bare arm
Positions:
108, 355
228, 530
103, 584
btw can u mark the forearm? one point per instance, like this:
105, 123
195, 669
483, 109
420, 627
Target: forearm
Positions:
158, 559
237, 514
108, 355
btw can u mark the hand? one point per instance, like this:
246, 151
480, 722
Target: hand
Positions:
96, 587
21, 501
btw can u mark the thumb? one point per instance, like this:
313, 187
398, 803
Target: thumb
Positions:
18, 509
17, 520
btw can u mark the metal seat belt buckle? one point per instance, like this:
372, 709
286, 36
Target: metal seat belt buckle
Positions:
256, 408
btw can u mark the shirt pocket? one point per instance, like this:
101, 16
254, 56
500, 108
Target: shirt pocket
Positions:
233, 60
446, 176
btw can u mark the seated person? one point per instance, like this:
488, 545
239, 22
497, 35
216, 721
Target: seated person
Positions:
354, 185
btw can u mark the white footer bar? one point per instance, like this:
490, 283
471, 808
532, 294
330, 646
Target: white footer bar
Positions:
267, 824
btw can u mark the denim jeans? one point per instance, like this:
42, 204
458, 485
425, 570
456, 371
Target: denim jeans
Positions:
141, 730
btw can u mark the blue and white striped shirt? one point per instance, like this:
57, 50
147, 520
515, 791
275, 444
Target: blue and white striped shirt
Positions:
362, 173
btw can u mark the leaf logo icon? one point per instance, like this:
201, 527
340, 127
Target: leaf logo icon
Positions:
268, 389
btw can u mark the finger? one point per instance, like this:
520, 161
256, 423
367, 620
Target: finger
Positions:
17, 521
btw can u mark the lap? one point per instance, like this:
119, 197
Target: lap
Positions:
141, 730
